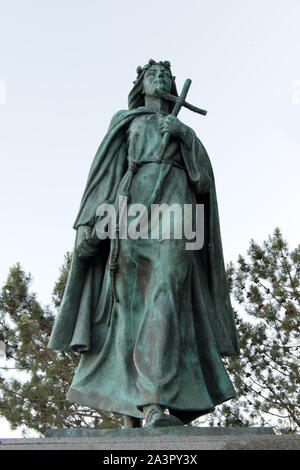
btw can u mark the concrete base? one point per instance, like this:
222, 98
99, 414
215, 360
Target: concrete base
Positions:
174, 431
172, 438
178, 431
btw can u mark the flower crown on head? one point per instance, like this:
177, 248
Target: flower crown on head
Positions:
140, 70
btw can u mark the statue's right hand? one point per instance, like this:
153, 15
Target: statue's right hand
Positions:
84, 248
84, 232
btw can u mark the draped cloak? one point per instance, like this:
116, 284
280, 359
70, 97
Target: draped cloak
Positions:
76, 329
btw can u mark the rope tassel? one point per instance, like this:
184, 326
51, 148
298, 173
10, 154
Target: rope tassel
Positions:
133, 167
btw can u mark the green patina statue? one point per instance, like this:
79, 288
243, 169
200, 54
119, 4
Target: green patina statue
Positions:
150, 317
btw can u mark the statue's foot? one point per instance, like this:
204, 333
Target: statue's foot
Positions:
131, 422
155, 417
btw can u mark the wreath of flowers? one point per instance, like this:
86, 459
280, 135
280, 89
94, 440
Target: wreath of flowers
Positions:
140, 70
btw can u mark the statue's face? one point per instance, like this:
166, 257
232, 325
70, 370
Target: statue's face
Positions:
157, 77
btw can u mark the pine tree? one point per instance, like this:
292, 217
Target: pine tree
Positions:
266, 295
34, 380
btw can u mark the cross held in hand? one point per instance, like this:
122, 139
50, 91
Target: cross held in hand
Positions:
179, 102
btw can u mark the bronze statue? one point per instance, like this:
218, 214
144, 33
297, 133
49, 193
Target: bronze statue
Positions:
150, 317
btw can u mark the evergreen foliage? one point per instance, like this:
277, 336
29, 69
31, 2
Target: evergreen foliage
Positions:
35, 380
265, 292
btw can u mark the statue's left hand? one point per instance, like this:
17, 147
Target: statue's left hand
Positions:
177, 129
174, 126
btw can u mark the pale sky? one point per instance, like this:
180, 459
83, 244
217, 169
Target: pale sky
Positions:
67, 66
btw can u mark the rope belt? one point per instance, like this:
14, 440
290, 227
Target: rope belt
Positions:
133, 166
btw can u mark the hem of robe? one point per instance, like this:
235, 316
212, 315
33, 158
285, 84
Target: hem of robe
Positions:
93, 400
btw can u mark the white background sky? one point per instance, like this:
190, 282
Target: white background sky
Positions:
66, 66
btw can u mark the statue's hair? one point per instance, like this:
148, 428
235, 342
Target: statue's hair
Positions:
136, 96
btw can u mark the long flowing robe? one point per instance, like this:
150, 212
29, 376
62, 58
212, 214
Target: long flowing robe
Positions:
174, 320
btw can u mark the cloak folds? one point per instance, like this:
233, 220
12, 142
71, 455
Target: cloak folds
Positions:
76, 327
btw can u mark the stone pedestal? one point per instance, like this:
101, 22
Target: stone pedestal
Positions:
169, 438
174, 431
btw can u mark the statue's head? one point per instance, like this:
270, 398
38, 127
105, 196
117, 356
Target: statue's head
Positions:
152, 76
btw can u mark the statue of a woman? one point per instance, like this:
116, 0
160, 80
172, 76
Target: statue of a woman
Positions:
150, 318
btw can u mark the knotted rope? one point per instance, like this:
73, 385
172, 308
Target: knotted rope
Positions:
133, 166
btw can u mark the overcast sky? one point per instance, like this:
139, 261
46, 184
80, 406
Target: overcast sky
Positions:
66, 66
